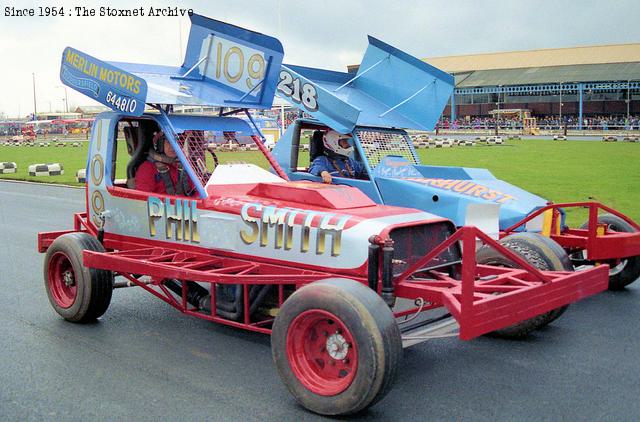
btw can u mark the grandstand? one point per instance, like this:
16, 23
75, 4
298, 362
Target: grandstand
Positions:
579, 85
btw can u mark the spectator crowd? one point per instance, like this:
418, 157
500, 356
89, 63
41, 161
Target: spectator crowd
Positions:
545, 123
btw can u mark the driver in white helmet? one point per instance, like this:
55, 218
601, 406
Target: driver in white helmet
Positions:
336, 161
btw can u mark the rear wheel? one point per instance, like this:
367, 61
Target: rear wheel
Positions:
337, 346
77, 293
624, 271
541, 252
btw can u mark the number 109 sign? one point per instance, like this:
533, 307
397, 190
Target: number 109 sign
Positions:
232, 64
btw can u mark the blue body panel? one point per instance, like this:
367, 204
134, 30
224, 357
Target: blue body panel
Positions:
182, 122
391, 89
450, 196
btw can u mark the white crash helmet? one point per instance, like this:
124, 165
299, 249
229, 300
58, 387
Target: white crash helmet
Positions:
331, 141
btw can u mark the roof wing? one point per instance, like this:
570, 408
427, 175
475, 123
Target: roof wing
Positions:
224, 66
391, 89
105, 83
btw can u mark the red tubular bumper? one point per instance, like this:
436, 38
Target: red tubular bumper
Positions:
599, 247
45, 239
489, 298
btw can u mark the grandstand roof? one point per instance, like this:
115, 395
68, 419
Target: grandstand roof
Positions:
551, 74
617, 62
600, 54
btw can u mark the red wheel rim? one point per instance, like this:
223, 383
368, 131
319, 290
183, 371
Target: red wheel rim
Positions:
62, 280
321, 352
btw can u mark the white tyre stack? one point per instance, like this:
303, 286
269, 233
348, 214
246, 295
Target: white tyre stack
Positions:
434, 143
81, 176
49, 169
559, 138
8, 167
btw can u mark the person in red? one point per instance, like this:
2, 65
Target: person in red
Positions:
162, 172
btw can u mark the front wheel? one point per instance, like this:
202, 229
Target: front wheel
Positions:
539, 251
77, 293
624, 271
337, 346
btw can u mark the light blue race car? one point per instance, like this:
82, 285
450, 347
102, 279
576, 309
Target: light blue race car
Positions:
393, 92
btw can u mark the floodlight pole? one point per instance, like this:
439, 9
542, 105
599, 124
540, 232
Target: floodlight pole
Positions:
498, 114
35, 111
65, 99
628, 99
560, 123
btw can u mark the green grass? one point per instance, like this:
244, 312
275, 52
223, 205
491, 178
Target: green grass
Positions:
71, 158
558, 171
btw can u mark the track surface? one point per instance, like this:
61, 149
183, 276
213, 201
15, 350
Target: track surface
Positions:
145, 361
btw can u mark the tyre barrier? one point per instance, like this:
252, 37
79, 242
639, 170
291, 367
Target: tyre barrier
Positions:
631, 138
81, 176
469, 143
75, 144
609, 138
559, 138
514, 137
60, 144
481, 139
43, 144
7, 167
495, 140
420, 140
420, 136
49, 169
440, 143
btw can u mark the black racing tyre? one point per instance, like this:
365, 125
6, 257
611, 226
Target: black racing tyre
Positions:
77, 293
541, 252
628, 269
337, 346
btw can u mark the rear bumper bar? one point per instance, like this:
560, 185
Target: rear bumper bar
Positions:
599, 246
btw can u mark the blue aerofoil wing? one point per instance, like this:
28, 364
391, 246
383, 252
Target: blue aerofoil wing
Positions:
103, 82
391, 89
224, 66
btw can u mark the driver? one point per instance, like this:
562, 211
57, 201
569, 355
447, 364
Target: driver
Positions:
162, 172
336, 160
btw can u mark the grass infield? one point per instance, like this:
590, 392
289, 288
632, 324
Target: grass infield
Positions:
559, 171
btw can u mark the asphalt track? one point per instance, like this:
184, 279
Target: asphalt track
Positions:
145, 361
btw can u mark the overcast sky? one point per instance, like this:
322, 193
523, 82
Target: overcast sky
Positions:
329, 34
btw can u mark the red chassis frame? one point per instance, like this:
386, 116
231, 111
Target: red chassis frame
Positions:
486, 298
599, 243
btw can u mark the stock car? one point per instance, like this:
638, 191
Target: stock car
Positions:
340, 283
393, 92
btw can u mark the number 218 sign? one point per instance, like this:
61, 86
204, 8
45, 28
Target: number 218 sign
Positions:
299, 91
